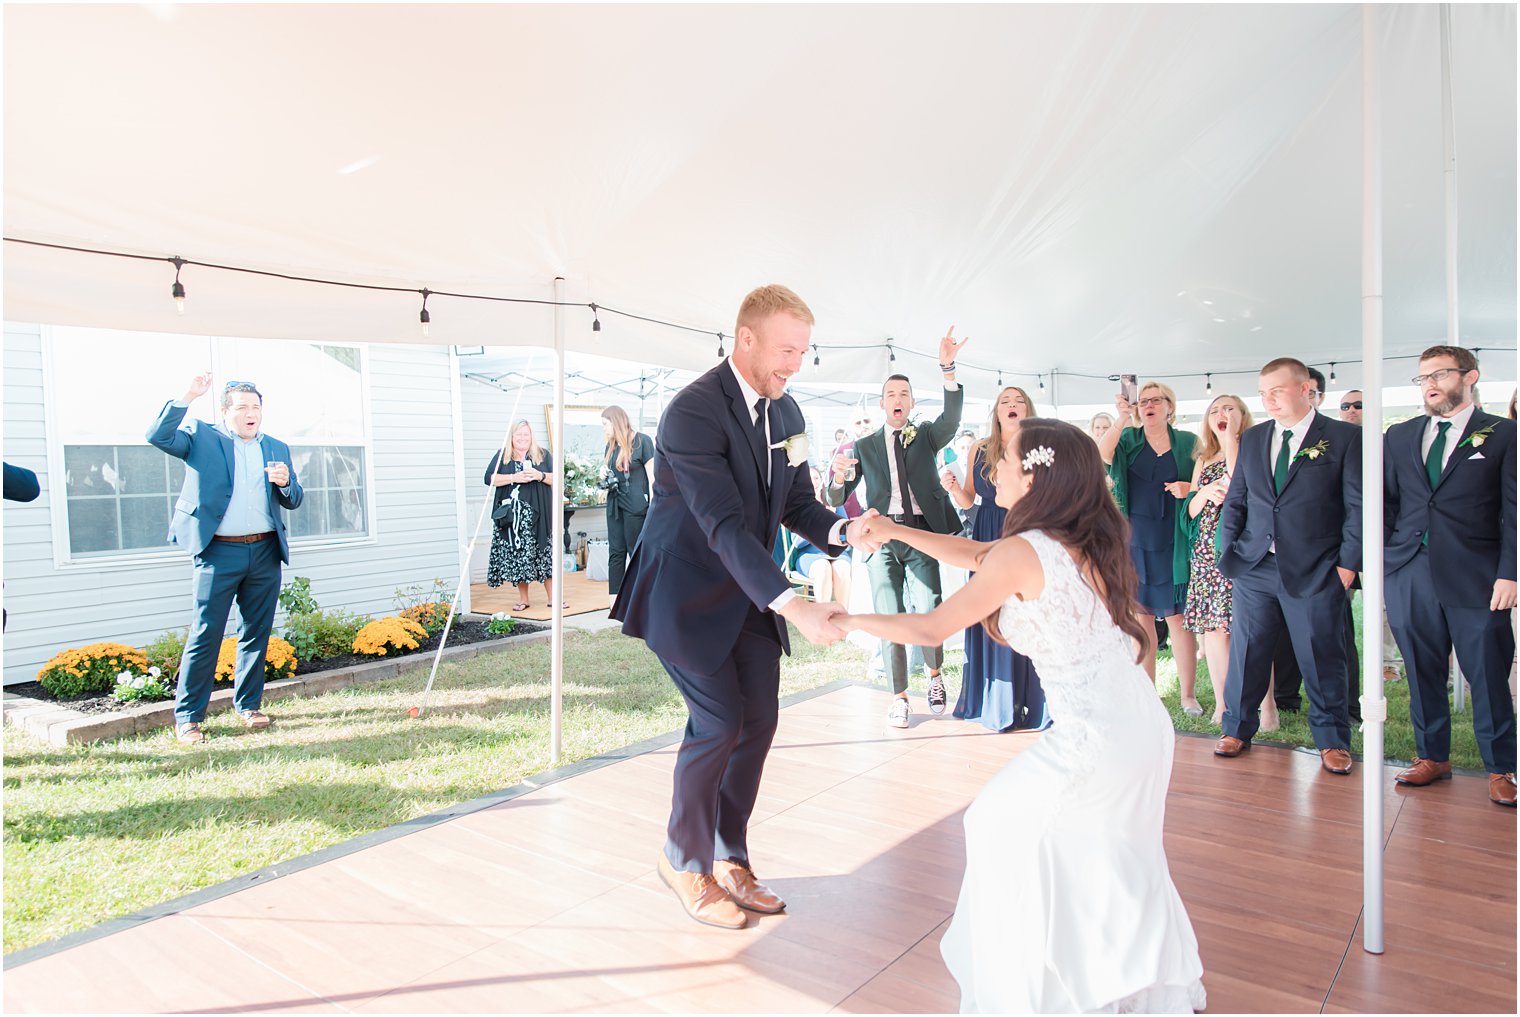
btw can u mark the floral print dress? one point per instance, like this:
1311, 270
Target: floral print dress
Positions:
1208, 599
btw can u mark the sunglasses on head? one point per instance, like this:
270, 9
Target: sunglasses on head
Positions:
1352, 406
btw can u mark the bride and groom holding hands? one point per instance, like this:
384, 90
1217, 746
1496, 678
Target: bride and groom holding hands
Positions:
1084, 806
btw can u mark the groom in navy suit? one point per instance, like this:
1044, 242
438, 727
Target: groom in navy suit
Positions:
704, 593
1290, 539
1449, 532
228, 517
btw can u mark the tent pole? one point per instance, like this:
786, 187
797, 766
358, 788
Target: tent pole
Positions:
1374, 705
1453, 329
557, 534
1055, 393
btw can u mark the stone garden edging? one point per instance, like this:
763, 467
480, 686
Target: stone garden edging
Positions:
59, 726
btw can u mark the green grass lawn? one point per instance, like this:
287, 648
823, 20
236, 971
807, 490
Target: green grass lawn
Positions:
95, 831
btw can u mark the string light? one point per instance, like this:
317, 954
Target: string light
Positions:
425, 317
891, 353
720, 346
596, 323
1332, 372
1042, 381
815, 361
1000, 378
178, 292
1208, 384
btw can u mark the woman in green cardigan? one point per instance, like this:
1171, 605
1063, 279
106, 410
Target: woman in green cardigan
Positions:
1151, 464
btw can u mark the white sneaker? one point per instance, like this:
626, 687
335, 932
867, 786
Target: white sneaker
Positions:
897, 714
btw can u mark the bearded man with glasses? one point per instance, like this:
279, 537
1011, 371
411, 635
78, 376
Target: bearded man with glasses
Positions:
1449, 522
237, 479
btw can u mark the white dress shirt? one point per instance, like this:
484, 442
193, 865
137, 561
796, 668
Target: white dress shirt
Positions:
1294, 444
894, 503
1459, 421
751, 397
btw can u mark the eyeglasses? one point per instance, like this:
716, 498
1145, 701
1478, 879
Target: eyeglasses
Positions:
1436, 376
243, 386
1152, 401
1352, 406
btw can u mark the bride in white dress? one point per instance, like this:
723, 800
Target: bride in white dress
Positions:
1067, 904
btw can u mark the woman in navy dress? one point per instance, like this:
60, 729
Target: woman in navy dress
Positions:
999, 686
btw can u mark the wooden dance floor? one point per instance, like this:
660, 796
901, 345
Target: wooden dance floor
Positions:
549, 901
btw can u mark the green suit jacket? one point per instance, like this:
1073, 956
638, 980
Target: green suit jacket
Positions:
923, 473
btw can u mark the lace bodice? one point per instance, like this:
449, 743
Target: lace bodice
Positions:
1066, 631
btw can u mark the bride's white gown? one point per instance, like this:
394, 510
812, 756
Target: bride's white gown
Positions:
1067, 904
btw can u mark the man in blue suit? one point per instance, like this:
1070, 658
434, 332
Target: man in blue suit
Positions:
228, 517
1290, 539
703, 591
1449, 539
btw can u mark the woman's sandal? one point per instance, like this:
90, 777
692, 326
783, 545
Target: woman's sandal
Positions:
520, 607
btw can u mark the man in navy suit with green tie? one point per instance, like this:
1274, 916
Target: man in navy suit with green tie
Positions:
228, 517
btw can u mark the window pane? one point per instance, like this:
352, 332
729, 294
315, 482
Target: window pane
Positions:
89, 471
312, 393
140, 370
143, 469
308, 462
144, 522
92, 525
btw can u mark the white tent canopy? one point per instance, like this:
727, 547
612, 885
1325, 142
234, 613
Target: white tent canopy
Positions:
1089, 189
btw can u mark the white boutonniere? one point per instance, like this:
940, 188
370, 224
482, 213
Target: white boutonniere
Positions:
910, 431
796, 449
1477, 438
1313, 451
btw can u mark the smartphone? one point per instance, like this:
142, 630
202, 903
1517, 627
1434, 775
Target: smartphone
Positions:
1129, 388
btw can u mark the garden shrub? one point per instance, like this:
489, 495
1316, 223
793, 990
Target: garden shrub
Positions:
383, 635
279, 662
84, 670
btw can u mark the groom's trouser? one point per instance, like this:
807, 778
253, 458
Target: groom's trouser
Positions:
889, 569
1259, 610
732, 719
1427, 631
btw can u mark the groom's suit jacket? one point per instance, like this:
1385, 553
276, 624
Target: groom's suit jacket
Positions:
207, 491
1316, 520
923, 474
703, 560
1469, 516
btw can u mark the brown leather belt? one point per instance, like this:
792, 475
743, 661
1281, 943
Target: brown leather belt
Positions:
251, 538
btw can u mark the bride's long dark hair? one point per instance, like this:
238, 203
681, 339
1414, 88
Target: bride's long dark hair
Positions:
1069, 500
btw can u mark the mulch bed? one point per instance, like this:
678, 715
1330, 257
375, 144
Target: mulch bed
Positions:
462, 634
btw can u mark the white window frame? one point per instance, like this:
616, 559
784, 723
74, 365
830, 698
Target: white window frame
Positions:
64, 559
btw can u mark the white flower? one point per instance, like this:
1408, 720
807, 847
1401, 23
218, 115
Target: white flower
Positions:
155, 671
796, 449
139, 682
123, 677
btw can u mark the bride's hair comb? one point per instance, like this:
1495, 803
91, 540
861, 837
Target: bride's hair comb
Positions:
1041, 455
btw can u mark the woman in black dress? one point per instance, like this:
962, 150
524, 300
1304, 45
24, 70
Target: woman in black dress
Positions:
520, 549
627, 473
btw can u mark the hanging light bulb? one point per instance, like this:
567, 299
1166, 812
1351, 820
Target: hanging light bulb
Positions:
596, 323
1208, 384
178, 292
1000, 377
1332, 372
425, 317
891, 353
815, 361
1042, 381
720, 346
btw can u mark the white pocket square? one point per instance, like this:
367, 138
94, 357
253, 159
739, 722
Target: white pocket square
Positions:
1475, 455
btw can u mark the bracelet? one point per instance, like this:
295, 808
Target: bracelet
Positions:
950, 369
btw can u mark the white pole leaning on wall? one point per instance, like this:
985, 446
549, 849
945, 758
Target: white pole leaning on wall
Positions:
1374, 705
1453, 327
557, 535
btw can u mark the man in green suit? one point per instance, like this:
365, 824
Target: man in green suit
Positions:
898, 464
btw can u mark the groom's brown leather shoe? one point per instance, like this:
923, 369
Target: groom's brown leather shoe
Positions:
747, 891
702, 897
1501, 789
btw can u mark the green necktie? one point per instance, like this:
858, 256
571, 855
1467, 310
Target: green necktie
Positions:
1280, 474
1437, 453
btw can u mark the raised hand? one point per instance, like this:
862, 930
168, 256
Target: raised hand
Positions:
949, 349
199, 386
1124, 408
948, 482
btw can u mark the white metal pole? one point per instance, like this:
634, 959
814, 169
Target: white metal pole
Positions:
1055, 393
557, 534
1374, 706
1453, 327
